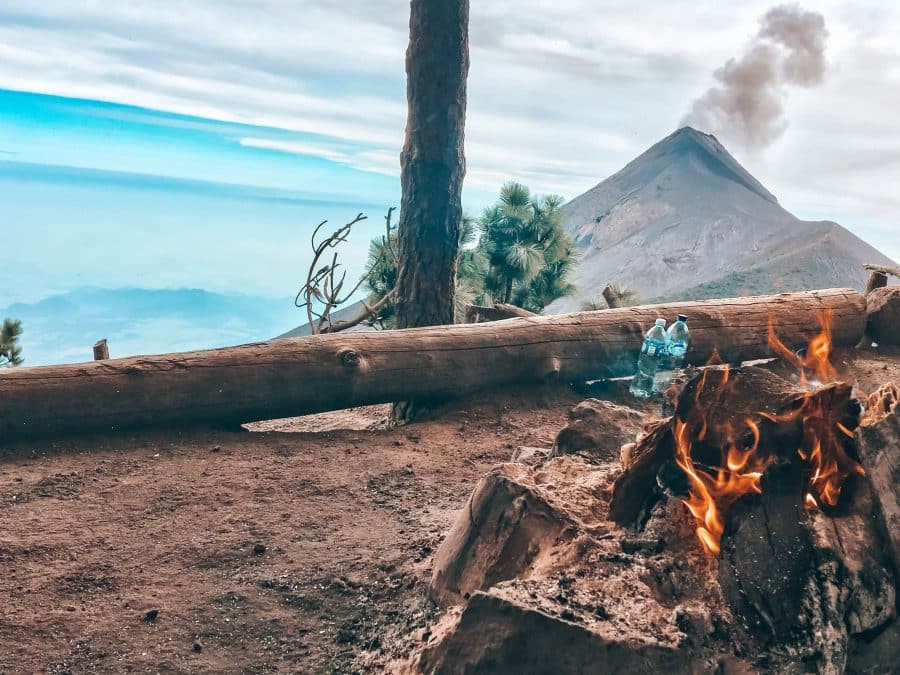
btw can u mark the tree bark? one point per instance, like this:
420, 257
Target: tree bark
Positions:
299, 376
432, 164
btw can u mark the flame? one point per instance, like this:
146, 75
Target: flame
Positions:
713, 490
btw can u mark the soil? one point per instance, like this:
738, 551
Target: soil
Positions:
301, 546
273, 551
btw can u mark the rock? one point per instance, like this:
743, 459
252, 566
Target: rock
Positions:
500, 532
530, 456
599, 429
517, 518
493, 630
259, 549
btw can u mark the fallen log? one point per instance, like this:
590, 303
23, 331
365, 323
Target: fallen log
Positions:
298, 376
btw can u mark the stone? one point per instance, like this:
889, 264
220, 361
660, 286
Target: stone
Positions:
493, 630
530, 456
599, 429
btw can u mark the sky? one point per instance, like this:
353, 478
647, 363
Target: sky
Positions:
216, 110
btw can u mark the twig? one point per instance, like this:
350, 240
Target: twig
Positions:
324, 287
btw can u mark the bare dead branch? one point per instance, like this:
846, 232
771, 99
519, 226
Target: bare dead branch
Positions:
326, 289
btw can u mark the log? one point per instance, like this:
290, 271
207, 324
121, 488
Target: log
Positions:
500, 311
877, 279
883, 309
298, 376
894, 271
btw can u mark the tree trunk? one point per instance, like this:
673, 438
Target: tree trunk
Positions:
333, 371
432, 165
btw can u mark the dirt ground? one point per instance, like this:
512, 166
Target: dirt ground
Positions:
275, 550
97, 532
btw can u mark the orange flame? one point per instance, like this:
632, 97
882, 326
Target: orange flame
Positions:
715, 489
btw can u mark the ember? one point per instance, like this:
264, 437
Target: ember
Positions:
742, 463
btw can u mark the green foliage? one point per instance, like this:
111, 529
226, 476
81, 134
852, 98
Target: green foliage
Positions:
517, 253
529, 256
10, 351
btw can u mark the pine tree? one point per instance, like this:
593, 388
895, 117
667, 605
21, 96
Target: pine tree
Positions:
10, 351
529, 255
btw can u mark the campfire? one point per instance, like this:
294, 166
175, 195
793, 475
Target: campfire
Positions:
826, 444
755, 529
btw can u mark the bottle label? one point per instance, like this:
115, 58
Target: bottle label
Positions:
653, 348
677, 348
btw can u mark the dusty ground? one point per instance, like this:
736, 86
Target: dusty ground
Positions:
96, 532
282, 550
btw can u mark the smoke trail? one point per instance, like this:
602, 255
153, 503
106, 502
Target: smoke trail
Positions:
745, 107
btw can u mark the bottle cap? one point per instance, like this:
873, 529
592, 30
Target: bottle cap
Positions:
682, 317
661, 322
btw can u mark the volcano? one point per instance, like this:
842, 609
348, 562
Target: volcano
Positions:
685, 220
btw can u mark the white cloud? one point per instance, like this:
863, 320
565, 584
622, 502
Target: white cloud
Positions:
560, 94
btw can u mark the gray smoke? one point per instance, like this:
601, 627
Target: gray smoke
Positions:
745, 107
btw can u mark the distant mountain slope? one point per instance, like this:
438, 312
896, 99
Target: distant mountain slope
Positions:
686, 220
63, 328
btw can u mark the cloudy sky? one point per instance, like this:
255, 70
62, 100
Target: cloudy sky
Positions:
309, 96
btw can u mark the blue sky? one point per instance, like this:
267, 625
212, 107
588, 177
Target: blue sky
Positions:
209, 136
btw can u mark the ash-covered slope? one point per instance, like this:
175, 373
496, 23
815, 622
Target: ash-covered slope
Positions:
685, 219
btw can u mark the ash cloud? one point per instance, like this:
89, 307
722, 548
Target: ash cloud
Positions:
746, 106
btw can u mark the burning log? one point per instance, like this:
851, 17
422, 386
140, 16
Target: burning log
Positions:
766, 461
751, 545
299, 376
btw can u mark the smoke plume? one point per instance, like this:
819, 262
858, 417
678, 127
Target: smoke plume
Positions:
745, 107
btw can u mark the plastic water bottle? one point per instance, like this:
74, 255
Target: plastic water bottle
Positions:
648, 362
678, 338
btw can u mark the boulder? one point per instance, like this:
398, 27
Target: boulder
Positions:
497, 633
599, 429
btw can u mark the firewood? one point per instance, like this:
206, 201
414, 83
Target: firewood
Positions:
878, 439
883, 311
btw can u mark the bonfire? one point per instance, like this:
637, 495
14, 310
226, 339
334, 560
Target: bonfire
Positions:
746, 532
